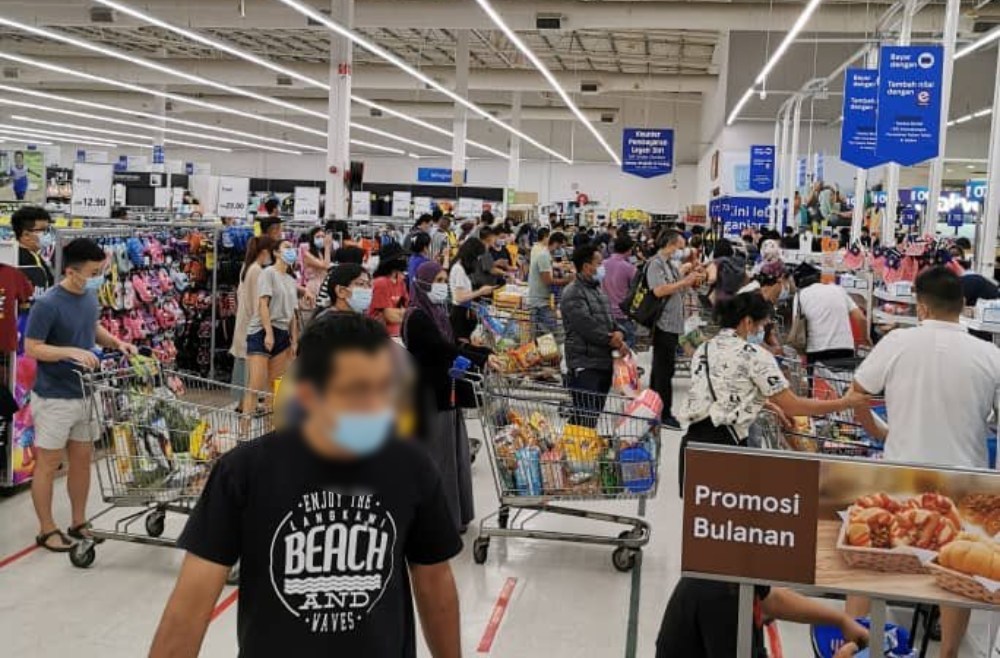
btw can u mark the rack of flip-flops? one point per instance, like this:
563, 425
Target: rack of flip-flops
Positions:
230, 253
158, 292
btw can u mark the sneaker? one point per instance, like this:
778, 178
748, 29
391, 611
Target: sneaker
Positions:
671, 423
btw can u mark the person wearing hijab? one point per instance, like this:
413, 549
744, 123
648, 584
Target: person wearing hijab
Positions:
428, 336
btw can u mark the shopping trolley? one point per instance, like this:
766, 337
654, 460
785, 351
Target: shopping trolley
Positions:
526, 347
162, 431
549, 444
699, 326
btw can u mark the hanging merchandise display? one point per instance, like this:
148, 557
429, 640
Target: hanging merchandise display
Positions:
647, 152
909, 103
762, 168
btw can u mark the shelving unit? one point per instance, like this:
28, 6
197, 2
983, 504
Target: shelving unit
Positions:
881, 317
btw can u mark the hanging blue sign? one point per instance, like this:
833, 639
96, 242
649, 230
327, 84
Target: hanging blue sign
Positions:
802, 172
647, 152
436, 175
762, 168
189, 168
81, 155
858, 131
956, 217
908, 216
975, 190
819, 166
741, 178
879, 197
919, 195
122, 164
739, 212
158, 154
909, 103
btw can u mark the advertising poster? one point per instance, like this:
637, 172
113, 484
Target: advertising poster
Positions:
852, 526
909, 103
22, 176
647, 152
762, 168
23, 453
858, 132
737, 213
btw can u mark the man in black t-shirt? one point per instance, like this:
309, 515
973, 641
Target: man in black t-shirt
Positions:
31, 230
331, 522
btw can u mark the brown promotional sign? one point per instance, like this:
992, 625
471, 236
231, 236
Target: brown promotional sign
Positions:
750, 516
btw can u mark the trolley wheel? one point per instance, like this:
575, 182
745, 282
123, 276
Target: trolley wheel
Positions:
233, 577
83, 554
503, 517
624, 558
154, 523
480, 549
634, 533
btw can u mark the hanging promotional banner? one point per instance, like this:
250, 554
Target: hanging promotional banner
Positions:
879, 197
401, 203
92, 190
819, 166
909, 103
361, 204
956, 217
306, 203
647, 152
762, 168
801, 172
975, 190
233, 198
158, 157
859, 130
436, 175
908, 216
737, 213
741, 178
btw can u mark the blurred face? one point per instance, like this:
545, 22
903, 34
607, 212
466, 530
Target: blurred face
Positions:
442, 277
31, 239
78, 274
360, 383
274, 231
590, 269
19, 159
362, 282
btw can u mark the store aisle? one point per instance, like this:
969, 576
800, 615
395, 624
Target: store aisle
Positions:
568, 600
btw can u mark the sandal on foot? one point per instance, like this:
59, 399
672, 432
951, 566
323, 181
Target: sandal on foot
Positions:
43, 541
82, 532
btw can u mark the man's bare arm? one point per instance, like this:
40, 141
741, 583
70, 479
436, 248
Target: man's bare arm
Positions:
189, 610
437, 602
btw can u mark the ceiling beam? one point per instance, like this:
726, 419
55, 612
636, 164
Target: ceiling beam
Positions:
626, 15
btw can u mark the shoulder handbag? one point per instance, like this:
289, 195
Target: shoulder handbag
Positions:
798, 336
640, 304
711, 391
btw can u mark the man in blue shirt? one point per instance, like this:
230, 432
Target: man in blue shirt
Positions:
62, 332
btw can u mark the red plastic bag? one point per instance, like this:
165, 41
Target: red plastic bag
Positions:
626, 375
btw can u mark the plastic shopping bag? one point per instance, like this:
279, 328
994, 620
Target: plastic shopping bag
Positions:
626, 375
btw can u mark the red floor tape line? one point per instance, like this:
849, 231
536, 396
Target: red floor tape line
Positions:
499, 609
224, 604
17, 556
774, 639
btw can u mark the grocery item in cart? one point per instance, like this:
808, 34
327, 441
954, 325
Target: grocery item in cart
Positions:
553, 471
583, 448
528, 474
638, 469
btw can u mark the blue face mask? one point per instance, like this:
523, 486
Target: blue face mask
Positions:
94, 282
756, 338
46, 241
362, 434
319, 243
360, 299
289, 256
600, 273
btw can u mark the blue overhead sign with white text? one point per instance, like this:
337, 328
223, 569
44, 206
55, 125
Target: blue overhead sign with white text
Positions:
737, 213
435, 175
909, 103
762, 168
858, 131
647, 152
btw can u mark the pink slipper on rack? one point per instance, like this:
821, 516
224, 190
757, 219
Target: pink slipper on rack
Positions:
141, 288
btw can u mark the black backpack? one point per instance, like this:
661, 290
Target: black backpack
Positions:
640, 304
732, 275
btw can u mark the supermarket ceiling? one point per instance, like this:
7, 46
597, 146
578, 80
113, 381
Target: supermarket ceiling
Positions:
624, 62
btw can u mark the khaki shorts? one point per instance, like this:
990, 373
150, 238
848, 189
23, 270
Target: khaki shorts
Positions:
58, 421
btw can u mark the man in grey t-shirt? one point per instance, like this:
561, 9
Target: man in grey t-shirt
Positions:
666, 280
62, 332
541, 279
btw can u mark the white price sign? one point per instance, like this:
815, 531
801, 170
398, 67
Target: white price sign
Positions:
401, 204
470, 208
361, 204
92, 184
421, 205
306, 203
234, 193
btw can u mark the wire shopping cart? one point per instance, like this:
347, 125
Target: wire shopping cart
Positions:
548, 444
526, 344
161, 433
699, 326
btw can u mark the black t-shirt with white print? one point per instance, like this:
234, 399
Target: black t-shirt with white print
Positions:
323, 545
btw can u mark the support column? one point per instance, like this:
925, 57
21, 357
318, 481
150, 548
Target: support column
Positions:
986, 245
888, 232
786, 189
773, 215
793, 153
514, 165
461, 120
861, 175
338, 135
937, 164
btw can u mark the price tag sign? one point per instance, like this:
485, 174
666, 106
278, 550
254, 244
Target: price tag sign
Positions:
92, 184
361, 204
401, 204
470, 208
306, 203
234, 193
422, 205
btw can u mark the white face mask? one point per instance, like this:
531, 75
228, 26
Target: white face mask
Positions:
438, 293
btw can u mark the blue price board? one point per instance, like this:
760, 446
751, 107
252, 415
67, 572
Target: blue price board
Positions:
909, 103
956, 217
435, 175
858, 131
908, 216
647, 152
761, 168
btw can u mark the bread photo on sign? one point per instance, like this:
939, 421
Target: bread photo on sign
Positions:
982, 510
929, 521
973, 555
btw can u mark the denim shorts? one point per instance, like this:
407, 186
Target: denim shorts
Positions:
282, 341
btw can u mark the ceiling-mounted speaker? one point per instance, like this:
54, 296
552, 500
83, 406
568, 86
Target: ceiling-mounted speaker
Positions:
609, 117
168, 106
589, 87
11, 73
548, 21
284, 81
374, 112
310, 22
100, 14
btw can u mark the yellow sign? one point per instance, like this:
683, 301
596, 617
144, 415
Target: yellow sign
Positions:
77, 223
61, 222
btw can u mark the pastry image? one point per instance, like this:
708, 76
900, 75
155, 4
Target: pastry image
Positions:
881, 500
941, 504
972, 555
982, 510
871, 527
922, 528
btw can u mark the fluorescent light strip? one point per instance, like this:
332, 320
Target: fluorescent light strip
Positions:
989, 37
56, 133
177, 142
17, 138
167, 119
76, 126
155, 66
156, 92
378, 51
388, 135
34, 138
282, 70
797, 27
378, 147
547, 74
739, 106
413, 155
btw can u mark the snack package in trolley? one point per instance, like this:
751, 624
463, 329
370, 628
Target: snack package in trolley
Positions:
647, 405
626, 375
